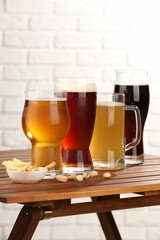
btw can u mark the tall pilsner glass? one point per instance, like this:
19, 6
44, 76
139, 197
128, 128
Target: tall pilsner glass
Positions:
45, 122
81, 100
134, 84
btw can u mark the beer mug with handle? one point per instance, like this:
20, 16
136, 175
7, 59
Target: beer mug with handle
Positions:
107, 145
45, 122
134, 84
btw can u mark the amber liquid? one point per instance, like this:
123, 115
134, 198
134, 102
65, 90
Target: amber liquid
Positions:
107, 144
82, 108
45, 123
135, 95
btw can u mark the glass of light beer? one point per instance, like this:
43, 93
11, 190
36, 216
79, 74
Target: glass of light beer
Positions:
107, 145
134, 84
45, 122
81, 101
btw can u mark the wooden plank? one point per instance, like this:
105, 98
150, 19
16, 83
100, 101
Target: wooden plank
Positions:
139, 178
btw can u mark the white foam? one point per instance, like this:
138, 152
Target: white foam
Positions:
73, 84
132, 77
43, 96
110, 104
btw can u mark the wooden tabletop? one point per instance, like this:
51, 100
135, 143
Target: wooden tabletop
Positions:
143, 178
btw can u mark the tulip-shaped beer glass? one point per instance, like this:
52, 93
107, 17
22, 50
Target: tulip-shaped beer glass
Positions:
81, 101
45, 122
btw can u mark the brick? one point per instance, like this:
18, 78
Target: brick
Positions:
54, 23
12, 56
1, 104
12, 89
109, 74
13, 105
78, 40
115, 19
12, 215
154, 140
155, 105
28, 39
62, 221
76, 7
142, 217
1, 72
132, 233
88, 219
1, 5
10, 121
153, 123
43, 232
23, 6
98, 57
16, 138
78, 71
93, 23
153, 232
58, 57
1, 137
27, 72
13, 22
0, 39
116, 40
143, 57
101, 24
70, 232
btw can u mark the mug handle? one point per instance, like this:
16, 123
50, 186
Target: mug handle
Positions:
138, 134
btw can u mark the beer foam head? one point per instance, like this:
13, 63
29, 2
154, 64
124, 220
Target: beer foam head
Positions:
76, 85
132, 77
42, 91
110, 104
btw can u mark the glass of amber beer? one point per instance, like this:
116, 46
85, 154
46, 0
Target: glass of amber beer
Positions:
134, 84
45, 122
81, 101
107, 145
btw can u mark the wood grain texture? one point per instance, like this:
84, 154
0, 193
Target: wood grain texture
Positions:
136, 179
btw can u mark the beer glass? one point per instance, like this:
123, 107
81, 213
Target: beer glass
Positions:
81, 101
134, 84
107, 145
45, 122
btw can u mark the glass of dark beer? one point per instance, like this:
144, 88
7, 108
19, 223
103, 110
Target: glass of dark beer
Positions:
45, 122
134, 84
81, 101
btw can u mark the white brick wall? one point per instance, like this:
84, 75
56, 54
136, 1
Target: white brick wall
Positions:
43, 39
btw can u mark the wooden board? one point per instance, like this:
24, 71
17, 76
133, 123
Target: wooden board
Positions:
143, 178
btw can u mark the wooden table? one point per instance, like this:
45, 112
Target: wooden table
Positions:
50, 198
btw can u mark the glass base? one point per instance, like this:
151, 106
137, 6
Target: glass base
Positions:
50, 175
76, 170
105, 165
134, 160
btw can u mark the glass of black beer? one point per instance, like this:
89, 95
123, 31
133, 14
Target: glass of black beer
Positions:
134, 84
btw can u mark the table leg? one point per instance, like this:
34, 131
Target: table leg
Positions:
108, 224
26, 223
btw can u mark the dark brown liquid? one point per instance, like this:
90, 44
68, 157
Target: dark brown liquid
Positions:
82, 108
135, 95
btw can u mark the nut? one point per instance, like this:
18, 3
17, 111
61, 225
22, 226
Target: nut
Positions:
106, 175
61, 178
79, 178
71, 176
93, 173
86, 175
